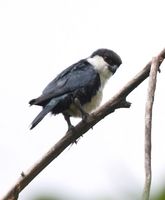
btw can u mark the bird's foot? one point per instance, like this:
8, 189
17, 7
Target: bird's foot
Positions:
85, 115
71, 128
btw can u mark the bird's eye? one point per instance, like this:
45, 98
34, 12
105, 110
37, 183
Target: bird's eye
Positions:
108, 60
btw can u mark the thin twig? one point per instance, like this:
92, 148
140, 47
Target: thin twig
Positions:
148, 126
118, 101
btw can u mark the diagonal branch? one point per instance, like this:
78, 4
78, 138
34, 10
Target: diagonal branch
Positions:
117, 101
148, 126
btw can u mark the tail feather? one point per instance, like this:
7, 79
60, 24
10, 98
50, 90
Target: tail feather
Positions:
32, 102
43, 113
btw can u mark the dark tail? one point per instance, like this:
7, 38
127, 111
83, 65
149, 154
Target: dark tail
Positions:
32, 102
49, 107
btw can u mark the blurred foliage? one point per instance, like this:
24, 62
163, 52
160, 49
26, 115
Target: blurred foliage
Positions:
160, 195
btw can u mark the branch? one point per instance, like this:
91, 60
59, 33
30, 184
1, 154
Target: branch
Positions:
117, 101
148, 126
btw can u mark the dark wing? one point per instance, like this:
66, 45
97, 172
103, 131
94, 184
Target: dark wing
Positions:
80, 79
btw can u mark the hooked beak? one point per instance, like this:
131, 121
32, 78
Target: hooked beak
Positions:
113, 68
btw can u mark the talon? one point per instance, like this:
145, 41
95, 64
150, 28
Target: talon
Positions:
71, 128
85, 116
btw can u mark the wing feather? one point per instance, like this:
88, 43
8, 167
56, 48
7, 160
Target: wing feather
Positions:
79, 79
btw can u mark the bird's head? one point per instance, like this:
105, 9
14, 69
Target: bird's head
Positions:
107, 57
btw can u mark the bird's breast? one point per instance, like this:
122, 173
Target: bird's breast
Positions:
87, 107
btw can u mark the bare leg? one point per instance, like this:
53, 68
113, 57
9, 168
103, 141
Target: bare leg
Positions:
67, 118
79, 106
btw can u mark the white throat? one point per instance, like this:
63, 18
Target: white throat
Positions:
102, 67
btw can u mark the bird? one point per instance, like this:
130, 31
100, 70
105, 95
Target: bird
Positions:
78, 89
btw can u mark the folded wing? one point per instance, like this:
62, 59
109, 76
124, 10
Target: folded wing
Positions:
80, 80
